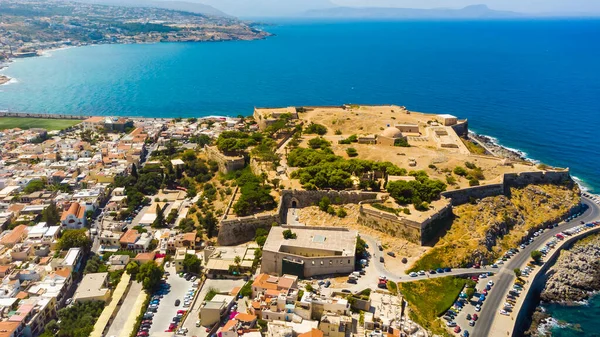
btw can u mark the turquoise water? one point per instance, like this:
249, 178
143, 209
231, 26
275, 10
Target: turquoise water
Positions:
534, 85
581, 320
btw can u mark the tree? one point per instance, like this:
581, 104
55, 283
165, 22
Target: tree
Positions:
134, 172
34, 186
460, 171
341, 212
309, 288
318, 143
517, 272
361, 246
208, 222
159, 221
149, 275
72, 238
132, 268
288, 234
324, 203
237, 260
536, 255
50, 214
191, 264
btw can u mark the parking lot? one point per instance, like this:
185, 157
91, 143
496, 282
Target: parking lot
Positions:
166, 308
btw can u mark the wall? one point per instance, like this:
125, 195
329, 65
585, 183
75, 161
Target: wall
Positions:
461, 128
271, 263
311, 198
464, 195
417, 232
240, 230
226, 164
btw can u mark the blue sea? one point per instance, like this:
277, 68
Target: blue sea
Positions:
532, 84
576, 321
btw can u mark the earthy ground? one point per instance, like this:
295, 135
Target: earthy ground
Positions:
313, 216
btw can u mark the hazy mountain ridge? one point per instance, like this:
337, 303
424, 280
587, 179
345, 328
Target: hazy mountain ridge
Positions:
474, 11
192, 7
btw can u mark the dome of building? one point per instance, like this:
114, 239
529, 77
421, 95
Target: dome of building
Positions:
392, 132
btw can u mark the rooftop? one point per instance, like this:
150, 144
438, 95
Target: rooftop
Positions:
328, 240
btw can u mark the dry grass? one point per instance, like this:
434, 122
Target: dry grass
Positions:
473, 233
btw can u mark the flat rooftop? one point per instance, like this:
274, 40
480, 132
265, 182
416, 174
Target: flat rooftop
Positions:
338, 241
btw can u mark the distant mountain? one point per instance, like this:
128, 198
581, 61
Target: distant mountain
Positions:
475, 11
192, 7
267, 8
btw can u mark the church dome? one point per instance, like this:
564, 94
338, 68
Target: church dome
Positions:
392, 132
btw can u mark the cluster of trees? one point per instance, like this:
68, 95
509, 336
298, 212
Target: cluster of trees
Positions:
72, 238
191, 264
149, 274
255, 194
196, 168
303, 157
319, 143
419, 192
260, 236
335, 172
351, 152
95, 265
34, 186
76, 320
209, 222
473, 173
51, 214
325, 206
237, 141
361, 246
314, 128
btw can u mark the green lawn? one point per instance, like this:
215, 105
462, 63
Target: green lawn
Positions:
430, 298
28, 123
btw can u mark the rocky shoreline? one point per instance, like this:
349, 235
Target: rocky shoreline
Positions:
498, 150
573, 279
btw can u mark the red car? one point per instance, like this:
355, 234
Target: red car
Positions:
181, 311
146, 322
172, 326
142, 334
475, 317
169, 330
457, 329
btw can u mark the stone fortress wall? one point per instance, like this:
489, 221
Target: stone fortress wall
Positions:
226, 163
239, 230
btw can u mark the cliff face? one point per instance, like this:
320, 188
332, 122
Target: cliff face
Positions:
482, 231
576, 273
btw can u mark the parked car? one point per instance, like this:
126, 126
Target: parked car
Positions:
475, 317
457, 329
413, 274
177, 302
392, 254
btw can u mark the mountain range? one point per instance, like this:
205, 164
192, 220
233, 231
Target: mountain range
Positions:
474, 11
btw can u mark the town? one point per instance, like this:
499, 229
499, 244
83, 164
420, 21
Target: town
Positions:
338, 221
30, 27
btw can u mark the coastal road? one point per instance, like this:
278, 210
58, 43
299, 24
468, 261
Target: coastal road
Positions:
492, 304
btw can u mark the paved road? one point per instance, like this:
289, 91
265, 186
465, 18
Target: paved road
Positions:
496, 298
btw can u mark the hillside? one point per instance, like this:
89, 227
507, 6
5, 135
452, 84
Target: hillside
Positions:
469, 12
186, 6
480, 232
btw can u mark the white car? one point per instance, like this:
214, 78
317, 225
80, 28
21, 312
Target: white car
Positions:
499, 262
504, 312
421, 272
413, 274
478, 307
198, 323
451, 324
483, 276
490, 283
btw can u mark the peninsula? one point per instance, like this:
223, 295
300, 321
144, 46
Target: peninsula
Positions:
30, 26
292, 221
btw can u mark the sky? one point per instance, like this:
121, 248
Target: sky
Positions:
530, 6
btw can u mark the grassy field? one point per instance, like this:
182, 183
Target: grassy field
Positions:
429, 299
28, 123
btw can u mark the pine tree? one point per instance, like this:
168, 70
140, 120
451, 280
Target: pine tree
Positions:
50, 214
159, 222
134, 172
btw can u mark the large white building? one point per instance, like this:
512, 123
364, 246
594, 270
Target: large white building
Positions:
313, 251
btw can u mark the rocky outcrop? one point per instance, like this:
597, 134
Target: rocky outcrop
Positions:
576, 274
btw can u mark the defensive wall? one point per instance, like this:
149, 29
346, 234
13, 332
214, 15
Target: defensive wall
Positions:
397, 225
226, 163
239, 230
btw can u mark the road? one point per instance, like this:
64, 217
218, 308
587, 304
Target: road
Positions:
120, 319
504, 278
496, 298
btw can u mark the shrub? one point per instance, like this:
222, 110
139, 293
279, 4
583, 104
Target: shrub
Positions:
450, 180
342, 212
470, 165
288, 234
460, 171
318, 143
433, 167
473, 182
338, 132
351, 152
314, 128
